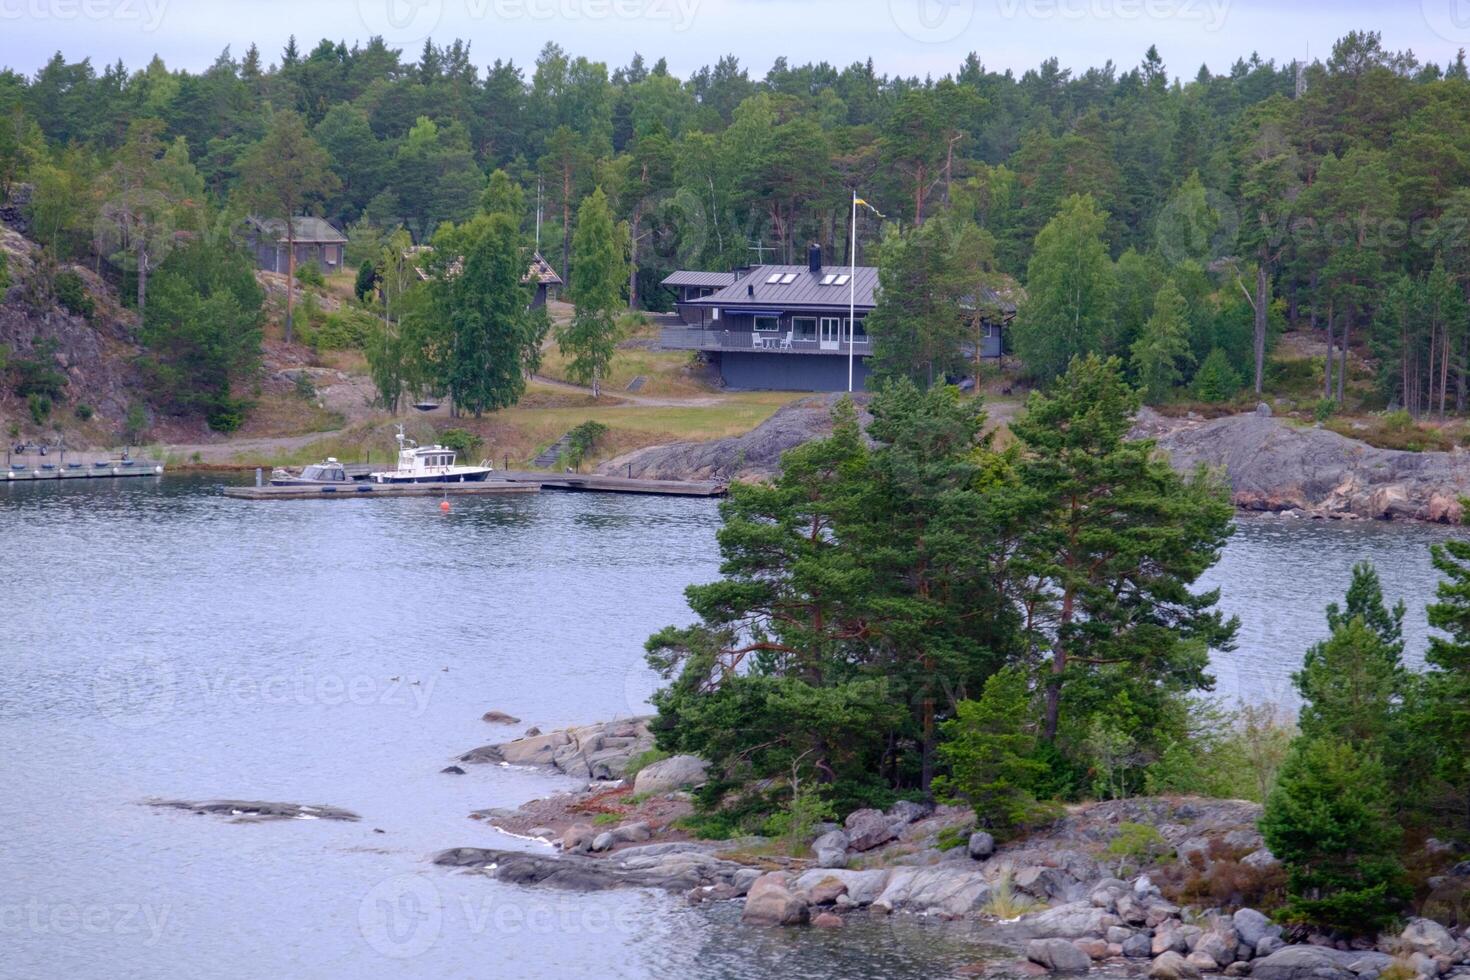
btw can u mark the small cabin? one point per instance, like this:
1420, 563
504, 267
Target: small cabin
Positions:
317, 240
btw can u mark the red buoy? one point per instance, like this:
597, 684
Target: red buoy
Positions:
444, 506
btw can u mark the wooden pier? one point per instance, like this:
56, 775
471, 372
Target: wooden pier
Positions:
599, 483
361, 490
513, 481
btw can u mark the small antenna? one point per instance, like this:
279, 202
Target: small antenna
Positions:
760, 249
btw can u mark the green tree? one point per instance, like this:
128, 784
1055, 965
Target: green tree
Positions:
1329, 823
1113, 539
989, 750
600, 264
1448, 681
1216, 380
201, 337
1162, 351
280, 175
1350, 683
1070, 287
486, 336
928, 276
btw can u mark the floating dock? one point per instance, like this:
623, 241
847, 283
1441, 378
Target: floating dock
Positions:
362, 490
101, 469
599, 483
513, 481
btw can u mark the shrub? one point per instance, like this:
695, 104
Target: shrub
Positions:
227, 415
1324, 409
464, 443
796, 823
135, 424
1216, 380
4, 273
310, 273
1136, 847
642, 761
582, 440
1329, 824
347, 329
988, 750
40, 406
83, 412
37, 374
367, 281
1004, 902
305, 387
951, 837
71, 293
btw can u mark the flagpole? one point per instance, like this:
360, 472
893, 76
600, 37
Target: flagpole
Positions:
851, 290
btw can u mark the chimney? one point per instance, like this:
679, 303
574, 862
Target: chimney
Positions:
814, 258
750, 289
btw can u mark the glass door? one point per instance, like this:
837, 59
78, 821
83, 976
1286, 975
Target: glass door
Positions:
831, 336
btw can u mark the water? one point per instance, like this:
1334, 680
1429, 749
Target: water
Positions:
163, 641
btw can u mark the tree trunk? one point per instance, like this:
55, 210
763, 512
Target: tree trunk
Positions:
1347, 325
1444, 372
1262, 290
1327, 379
290, 276
142, 278
1058, 667
566, 225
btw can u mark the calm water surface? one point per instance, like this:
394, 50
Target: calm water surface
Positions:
162, 641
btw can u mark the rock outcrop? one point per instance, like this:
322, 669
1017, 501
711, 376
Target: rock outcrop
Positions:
1273, 465
667, 775
756, 455
255, 811
600, 751
673, 866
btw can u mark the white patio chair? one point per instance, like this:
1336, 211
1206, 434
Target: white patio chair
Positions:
786, 340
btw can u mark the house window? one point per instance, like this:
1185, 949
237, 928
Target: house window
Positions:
859, 331
804, 327
989, 330
769, 323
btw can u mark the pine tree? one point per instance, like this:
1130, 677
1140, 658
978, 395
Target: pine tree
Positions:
1112, 541
989, 748
1328, 822
1163, 347
591, 338
1350, 683
281, 174
1448, 681
1216, 380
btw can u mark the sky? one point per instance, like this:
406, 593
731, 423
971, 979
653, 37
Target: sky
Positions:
908, 37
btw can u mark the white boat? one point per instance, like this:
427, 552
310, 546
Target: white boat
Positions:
325, 472
430, 464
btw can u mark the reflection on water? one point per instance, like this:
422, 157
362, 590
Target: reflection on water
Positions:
160, 640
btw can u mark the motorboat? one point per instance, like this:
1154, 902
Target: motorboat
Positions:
329, 471
430, 464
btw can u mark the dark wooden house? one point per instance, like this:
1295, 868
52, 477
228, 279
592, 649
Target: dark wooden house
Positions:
316, 241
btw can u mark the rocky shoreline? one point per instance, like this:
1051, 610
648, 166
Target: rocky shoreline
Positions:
1310, 471
1058, 898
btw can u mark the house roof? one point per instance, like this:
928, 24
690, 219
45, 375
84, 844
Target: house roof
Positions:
542, 272
307, 229
687, 277
805, 290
